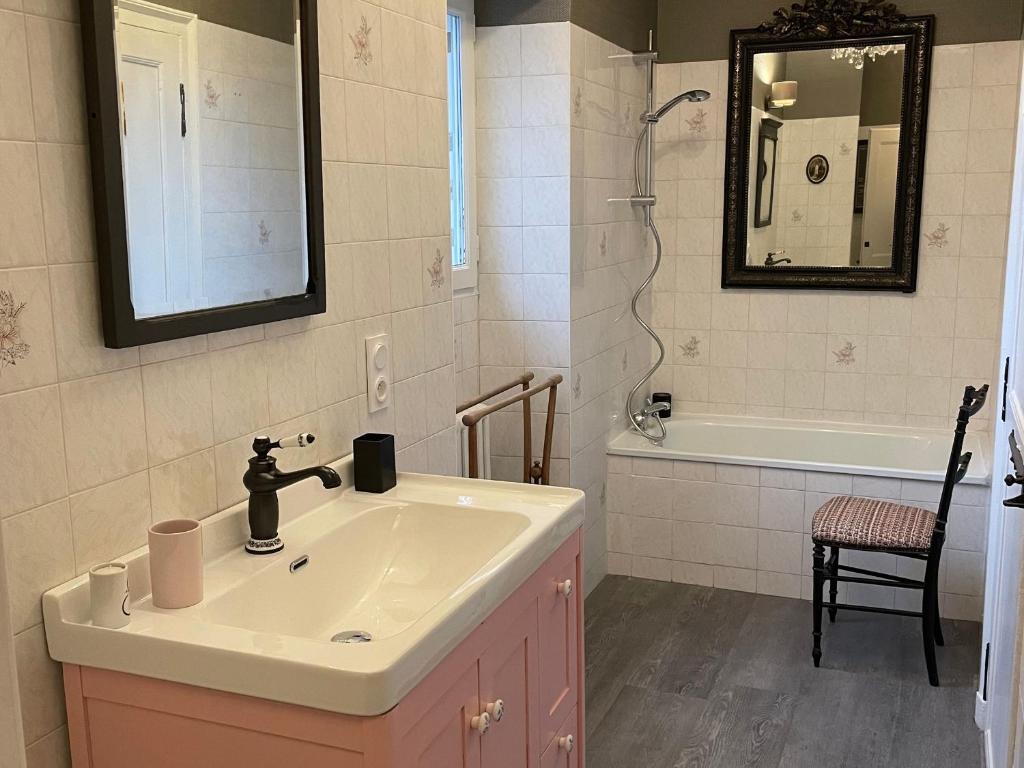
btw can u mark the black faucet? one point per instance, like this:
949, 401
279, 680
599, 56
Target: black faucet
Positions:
263, 480
771, 261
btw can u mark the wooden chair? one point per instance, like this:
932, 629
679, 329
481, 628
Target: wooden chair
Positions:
851, 522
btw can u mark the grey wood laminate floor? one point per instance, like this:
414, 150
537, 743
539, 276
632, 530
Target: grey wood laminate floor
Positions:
692, 677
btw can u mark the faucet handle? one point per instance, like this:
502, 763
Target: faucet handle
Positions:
300, 440
263, 445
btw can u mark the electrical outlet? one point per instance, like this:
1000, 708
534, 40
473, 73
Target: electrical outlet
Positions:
378, 372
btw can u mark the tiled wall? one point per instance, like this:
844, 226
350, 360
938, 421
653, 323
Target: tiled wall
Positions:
556, 125
467, 347
252, 231
110, 440
523, 168
866, 357
815, 221
748, 528
610, 258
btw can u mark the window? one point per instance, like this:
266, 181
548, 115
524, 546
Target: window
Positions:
461, 123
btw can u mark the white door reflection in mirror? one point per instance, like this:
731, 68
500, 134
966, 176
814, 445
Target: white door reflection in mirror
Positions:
834, 186
211, 140
157, 162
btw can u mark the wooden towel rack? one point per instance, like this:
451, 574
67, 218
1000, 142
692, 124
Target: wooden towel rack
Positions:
531, 472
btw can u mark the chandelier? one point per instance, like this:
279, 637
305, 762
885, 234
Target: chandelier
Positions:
856, 56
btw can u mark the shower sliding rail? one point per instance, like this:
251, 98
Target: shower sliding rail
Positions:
639, 419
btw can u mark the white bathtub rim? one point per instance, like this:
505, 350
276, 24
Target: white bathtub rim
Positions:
632, 444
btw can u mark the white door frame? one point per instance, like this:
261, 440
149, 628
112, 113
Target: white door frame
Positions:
1002, 592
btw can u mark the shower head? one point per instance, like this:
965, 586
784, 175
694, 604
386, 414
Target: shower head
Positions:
693, 96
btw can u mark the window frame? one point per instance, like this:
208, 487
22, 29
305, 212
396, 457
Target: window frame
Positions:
464, 278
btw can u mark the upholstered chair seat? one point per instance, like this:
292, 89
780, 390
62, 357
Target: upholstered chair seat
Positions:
853, 521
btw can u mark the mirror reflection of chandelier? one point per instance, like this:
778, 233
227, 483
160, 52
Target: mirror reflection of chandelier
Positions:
856, 56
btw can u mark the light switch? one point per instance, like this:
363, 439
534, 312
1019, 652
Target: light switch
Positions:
378, 372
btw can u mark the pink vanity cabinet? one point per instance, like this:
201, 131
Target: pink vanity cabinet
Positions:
509, 696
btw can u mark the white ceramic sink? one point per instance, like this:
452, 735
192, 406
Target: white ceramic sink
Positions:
417, 568
380, 572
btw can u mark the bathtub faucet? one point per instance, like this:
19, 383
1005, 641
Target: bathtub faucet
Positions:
643, 419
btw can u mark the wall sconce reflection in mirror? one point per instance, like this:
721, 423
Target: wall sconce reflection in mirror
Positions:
783, 94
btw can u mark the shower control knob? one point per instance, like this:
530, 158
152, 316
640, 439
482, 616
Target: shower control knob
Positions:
565, 588
496, 710
481, 723
567, 743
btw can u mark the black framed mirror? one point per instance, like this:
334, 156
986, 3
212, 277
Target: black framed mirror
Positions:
204, 128
841, 89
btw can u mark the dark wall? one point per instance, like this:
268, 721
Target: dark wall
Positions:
882, 100
698, 30
624, 22
825, 91
498, 13
267, 18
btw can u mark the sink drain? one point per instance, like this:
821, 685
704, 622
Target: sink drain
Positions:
352, 636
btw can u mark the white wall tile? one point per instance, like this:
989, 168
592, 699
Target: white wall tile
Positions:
39, 555
104, 428
20, 206
178, 408
40, 685
110, 520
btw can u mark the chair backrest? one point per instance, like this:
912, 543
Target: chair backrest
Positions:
974, 401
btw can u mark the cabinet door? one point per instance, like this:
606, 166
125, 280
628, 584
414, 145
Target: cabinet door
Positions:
444, 736
508, 674
558, 613
564, 750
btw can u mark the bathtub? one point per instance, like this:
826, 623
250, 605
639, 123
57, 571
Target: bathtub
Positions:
855, 449
727, 502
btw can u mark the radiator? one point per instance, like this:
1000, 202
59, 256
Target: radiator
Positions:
483, 444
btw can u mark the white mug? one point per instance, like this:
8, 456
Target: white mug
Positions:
109, 595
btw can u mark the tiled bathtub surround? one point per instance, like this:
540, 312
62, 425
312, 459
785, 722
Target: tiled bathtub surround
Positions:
111, 440
748, 528
558, 264
874, 358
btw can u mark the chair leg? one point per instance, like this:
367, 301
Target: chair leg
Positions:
929, 622
833, 588
819, 586
939, 640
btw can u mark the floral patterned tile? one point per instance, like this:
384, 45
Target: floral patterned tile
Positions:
845, 356
13, 346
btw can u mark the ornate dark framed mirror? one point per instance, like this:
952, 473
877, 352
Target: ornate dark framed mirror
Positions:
204, 128
842, 87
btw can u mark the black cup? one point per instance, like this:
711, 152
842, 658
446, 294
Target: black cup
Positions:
663, 397
373, 457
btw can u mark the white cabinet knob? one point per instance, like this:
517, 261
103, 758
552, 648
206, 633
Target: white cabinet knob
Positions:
481, 723
567, 743
496, 710
565, 588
